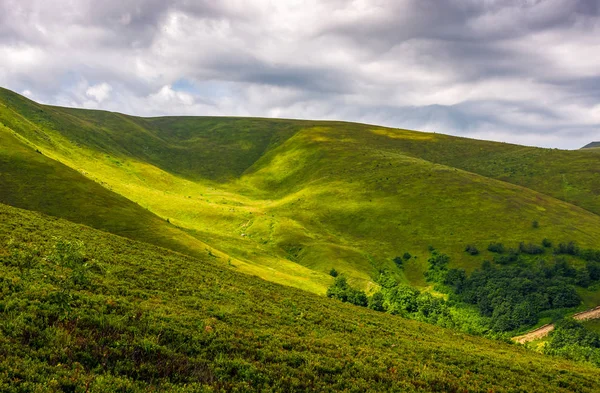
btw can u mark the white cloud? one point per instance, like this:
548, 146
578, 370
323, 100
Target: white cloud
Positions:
99, 92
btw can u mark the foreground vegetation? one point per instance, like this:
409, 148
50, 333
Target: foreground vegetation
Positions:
82, 310
573, 340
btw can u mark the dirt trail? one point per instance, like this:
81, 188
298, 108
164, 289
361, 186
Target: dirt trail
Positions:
543, 331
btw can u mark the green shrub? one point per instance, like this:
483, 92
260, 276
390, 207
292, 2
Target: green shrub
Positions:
438, 267
399, 262
471, 249
376, 302
530, 248
569, 248
496, 247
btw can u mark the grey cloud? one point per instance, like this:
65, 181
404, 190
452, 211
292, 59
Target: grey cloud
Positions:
497, 69
460, 20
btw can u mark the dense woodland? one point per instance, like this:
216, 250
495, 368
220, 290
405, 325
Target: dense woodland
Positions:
508, 294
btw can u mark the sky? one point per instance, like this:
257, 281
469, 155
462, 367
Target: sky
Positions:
519, 71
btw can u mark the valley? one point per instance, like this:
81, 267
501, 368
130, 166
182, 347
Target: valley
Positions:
179, 231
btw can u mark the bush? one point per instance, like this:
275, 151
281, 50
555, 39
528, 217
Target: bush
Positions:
402, 299
455, 278
510, 257
339, 289
530, 248
535, 224
593, 270
376, 302
342, 291
496, 247
357, 297
406, 256
438, 267
472, 250
399, 262
546, 243
333, 272
569, 248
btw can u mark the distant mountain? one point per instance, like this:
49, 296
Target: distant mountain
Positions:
591, 145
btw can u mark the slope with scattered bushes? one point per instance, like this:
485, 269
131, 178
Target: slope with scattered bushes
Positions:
83, 310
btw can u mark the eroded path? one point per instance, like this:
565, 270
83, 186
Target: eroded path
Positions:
543, 331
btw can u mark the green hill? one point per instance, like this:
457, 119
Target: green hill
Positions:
83, 310
288, 200
31, 179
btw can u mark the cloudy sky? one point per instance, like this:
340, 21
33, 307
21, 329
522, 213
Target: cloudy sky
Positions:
524, 71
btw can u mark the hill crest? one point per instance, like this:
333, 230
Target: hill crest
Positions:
591, 145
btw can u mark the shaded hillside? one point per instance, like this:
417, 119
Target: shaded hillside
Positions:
30, 180
198, 148
591, 145
81, 307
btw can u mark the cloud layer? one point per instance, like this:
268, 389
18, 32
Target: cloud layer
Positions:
523, 71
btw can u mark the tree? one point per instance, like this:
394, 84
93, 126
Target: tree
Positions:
562, 296
455, 278
438, 267
357, 297
402, 299
376, 302
339, 289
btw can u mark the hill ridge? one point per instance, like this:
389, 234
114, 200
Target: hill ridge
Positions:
591, 145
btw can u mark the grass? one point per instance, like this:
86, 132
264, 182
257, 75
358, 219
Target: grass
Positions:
84, 310
288, 200
593, 325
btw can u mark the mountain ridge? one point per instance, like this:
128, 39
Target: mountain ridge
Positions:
591, 145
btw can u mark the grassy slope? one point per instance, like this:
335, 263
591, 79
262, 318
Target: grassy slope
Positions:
34, 181
572, 176
287, 194
335, 182
153, 318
